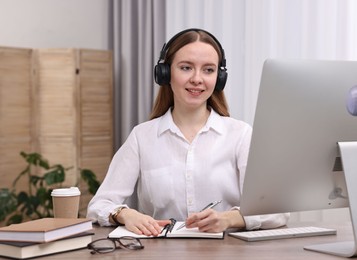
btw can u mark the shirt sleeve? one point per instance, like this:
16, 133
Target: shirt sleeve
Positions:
266, 221
119, 183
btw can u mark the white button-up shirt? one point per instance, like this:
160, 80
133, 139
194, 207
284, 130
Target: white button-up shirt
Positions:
174, 177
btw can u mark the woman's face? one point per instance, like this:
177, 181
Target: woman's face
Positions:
194, 74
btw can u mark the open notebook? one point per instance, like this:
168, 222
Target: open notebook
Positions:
169, 231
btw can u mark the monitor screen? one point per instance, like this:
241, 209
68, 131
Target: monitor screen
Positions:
301, 114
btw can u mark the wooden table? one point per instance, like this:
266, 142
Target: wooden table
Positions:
227, 248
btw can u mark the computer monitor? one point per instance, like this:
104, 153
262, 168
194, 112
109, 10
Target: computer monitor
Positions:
301, 117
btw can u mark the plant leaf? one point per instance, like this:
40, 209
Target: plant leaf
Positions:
43, 195
14, 219
55, 176
22, 198
35, 159
90, 178
37, 201
8, 203
34, 179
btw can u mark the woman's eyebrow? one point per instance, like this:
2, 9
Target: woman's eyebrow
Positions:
190, 62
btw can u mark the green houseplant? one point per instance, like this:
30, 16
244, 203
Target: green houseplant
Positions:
36, 202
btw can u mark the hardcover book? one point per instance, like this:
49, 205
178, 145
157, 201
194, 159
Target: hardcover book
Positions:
45, 229
23, 250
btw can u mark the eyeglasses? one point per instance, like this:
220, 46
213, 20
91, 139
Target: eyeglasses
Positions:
107, 245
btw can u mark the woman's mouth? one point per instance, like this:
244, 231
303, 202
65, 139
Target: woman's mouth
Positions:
194, 91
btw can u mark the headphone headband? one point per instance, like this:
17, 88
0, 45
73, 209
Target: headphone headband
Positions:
167, 45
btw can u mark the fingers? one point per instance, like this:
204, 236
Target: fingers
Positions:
206, 221
142, 224
146, 229
199, 219
146, 226
153, 228
163, 223
150, 229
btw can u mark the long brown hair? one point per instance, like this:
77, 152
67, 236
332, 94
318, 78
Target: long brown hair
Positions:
165, 97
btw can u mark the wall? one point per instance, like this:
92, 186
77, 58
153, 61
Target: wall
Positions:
55, 23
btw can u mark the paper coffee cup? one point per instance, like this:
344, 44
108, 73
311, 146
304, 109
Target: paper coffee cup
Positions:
66, 202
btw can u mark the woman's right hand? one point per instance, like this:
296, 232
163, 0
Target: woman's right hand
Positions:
141, 224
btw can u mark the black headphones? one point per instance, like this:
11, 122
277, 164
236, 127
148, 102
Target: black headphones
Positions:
162, 69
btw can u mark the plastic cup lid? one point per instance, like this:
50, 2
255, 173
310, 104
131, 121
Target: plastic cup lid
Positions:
72, 191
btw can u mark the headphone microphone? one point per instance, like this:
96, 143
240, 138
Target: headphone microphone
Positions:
162, 73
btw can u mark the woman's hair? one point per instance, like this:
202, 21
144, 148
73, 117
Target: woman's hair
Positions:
165, 97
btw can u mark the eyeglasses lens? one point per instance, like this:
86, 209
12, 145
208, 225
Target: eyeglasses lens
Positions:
102, 246
130, 243
106, 245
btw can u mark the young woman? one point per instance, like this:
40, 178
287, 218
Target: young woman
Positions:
189, 154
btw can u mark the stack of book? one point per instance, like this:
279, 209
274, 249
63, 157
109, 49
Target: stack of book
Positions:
45, 236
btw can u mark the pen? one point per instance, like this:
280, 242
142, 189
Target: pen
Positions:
209, 206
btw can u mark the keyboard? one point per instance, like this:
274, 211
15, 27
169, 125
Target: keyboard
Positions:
259, 235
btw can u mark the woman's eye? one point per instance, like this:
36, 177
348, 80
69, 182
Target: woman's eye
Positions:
209, 70
185, 68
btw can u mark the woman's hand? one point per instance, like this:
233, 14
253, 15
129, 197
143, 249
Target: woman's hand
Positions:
213, 221
141, 224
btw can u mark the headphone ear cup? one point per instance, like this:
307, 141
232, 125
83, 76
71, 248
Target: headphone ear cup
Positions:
221, 79
162, 74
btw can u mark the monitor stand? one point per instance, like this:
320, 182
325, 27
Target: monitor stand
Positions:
349, 161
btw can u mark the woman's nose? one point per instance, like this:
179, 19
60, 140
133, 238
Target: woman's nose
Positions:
196, 78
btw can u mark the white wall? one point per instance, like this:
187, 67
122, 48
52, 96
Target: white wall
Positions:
55, 23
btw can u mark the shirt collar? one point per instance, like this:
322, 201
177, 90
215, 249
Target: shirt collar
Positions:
214, 122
